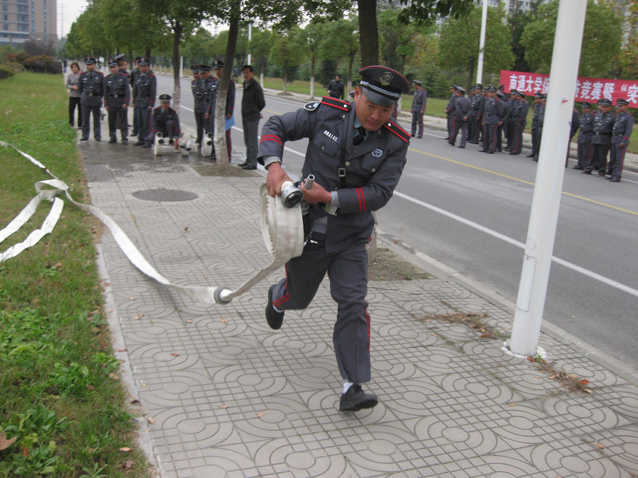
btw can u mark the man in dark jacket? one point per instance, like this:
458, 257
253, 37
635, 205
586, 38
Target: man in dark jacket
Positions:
335, 88
585, 135
449, 111
461, 112
252, 102
601, 141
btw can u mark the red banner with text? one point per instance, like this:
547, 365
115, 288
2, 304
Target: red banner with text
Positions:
587, 89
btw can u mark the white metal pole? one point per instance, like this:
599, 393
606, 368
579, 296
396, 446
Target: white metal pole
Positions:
549, 178
250, 29
479, 73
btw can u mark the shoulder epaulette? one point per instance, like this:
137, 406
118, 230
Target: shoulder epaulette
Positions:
396, 129
336, 103
311, 106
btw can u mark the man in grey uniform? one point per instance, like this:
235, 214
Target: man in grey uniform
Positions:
492, 118
585, 135
419, 102
518, 121
461, 112
91, 91
601, 141
357, 154
449, 111
144, 93
117, 95
620, 140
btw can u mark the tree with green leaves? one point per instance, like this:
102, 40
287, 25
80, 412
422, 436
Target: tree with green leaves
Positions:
289, 49
259, 49
314, 33
197, 46
341, 42
396, 40
460, 39
601, 41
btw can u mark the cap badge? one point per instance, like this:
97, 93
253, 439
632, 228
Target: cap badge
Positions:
377, 153
386, 79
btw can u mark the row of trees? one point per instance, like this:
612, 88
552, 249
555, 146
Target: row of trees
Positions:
339, 36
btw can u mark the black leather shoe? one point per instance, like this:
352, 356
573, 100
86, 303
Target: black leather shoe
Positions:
249, 166
274, 318
529, 156
241, 165
356, 399
614, 180
139, 143
482, 150
578, 167
84, 139
586, 172
111, 141
146, 146
125, 141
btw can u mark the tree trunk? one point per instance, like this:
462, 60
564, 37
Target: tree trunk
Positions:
178, 29
148, 53
221, 146
350, 66
368, 32
312, 77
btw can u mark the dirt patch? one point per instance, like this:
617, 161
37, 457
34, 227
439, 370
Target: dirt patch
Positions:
224, 171
389, 266
471, 320
570, 381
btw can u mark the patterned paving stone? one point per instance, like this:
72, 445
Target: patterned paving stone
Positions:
231, 398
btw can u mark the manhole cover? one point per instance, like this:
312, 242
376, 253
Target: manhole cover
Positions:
165, 195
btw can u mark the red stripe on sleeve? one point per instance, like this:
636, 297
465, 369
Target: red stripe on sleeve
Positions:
270, 137
363, 199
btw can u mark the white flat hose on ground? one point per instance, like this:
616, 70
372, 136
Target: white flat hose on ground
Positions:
282, 230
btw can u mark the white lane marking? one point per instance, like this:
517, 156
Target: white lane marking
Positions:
186, 108
514, 242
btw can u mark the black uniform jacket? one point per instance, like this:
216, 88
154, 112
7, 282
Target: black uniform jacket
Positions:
372, 169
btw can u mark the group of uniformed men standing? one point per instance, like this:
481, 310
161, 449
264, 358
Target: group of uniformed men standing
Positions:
486, 115
117, 90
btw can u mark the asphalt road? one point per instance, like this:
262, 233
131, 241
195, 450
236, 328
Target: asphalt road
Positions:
465, 209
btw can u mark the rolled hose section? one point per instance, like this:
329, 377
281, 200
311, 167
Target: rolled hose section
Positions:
282, 231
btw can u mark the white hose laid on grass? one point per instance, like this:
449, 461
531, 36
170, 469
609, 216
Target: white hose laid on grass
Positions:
281, 226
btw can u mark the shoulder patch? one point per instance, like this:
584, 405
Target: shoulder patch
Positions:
311, 106
336, 103
397, 130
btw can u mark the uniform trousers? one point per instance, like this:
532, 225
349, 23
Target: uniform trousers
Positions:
200, 120
143, 123
616, 158
475, 130
136, 126
598, 158
73, 102
516, 140
87, 111
490, 140
584, 154
461, 125
251, 131
450, 128
499, 138
347, 271
417, 124
536, 141
118, 119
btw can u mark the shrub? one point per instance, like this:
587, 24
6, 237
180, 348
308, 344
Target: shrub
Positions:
43, 64
17, 67
6, 72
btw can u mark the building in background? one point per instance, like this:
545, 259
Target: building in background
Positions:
22, 20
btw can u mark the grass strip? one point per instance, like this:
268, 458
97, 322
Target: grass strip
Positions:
60, 396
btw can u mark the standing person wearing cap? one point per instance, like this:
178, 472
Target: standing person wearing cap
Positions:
252, 102
574, 125
144, 93
200, 87
620, 139
117, 95
218, 66
537, 125
449, 111
357, 154
461, 112
518, 121
500, 96
90, 85
164, 120
473, 121
492, 119
122, 64
601, 141
585, 135
419, 102
336, 88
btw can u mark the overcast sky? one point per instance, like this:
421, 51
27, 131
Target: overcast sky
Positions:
72, 10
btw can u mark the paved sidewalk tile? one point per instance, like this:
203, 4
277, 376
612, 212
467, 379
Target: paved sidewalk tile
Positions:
230, 397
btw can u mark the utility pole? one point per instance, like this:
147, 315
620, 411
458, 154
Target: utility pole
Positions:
541, 233
479, 73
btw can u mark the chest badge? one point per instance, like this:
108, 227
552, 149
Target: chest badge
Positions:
333, 137
377, 153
